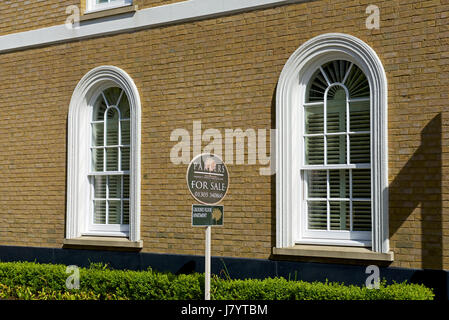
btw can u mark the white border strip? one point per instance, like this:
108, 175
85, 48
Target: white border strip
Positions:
145, 18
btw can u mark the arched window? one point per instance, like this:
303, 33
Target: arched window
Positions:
336, 167
103, 187
110, 161
331, 150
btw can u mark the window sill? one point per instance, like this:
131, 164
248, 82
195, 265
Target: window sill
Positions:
90, 15
103, 242
349, 253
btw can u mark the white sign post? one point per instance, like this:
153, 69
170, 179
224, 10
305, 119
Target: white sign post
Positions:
207, 216
207, 180
207, 264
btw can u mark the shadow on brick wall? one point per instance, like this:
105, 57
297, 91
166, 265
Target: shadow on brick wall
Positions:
273, 176
417, 187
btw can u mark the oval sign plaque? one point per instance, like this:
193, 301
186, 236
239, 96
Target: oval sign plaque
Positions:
207, 178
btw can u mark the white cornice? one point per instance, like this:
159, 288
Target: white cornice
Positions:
146, 18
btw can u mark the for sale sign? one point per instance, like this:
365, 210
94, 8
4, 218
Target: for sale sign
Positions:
207, 178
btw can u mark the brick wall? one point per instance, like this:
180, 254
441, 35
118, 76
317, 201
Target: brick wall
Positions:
224, 71
24, 15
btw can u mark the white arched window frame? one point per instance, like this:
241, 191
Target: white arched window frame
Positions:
79, 157
291, 89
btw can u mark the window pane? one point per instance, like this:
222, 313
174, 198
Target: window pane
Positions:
360, 148
336, 70
115, 187
99, 212
314, 119
361, 215
97, 134
125, 212
336, 120
336, 149
125, 158
112, 159
339, 183
317, 184
99, 187
336, 110
126, 186
359, 116
114, 214
125, 131
361, 183
339, 215
97, 160
314, 150
317, 87
317, 215
99, 109
357, 83
112, 127
124, 107
112, 94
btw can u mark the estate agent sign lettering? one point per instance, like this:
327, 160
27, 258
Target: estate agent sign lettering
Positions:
207, 179
206, 215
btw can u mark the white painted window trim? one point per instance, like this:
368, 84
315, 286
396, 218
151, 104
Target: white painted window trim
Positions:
78, 155
292, 84
92, 6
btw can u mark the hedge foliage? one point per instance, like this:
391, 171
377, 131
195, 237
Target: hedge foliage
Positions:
26, 280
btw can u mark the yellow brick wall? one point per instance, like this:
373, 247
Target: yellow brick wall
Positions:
224, 71
24, 15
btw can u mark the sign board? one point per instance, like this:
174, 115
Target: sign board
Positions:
204, 215
208, 181
207, 178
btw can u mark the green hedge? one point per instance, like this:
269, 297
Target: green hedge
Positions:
25, 280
